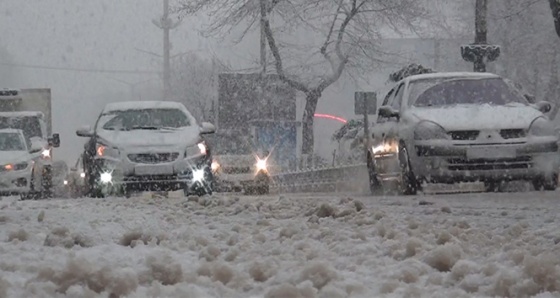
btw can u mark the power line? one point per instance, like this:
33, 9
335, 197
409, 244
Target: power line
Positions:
75, 69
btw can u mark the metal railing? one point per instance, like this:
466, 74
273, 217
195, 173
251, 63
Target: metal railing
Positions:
324, 179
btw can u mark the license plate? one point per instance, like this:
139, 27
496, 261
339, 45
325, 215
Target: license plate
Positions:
154, 170
490, 153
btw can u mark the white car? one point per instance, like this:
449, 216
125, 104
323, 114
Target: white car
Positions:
16, 163
454, 127
34, 128
147, 146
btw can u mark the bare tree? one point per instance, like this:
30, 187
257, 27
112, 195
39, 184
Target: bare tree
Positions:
336, 37
555, 7
194, 82
523, 31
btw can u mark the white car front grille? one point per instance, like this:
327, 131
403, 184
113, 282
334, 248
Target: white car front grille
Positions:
153, 158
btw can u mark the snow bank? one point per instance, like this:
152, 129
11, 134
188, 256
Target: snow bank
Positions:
281, 246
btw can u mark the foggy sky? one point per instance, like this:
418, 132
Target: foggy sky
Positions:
103, 34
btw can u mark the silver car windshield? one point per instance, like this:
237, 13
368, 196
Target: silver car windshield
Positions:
463, 91
11, 142
144, 119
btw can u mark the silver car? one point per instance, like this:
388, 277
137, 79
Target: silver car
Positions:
454, 127
147, 146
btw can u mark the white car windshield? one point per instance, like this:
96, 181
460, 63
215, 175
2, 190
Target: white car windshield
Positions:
148, 119
11, 142
31, 126
463, 91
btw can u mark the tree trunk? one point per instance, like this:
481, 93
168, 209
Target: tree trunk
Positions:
311, 100
555, 7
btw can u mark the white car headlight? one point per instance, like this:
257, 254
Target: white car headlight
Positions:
541, 127
427, 130
106, 151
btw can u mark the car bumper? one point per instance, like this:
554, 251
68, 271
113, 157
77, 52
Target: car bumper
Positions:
15, 182
233, 182
523, 161
175, 175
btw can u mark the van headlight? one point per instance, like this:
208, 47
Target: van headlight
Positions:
215, 166
46, 153
261, 165
541, 128
428, 130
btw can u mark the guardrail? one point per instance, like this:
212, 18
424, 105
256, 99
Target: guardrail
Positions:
327, 179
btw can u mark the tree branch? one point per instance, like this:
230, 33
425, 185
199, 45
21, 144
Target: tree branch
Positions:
323, 49
343, 59
276, 53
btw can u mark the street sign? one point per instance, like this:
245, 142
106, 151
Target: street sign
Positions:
365, 102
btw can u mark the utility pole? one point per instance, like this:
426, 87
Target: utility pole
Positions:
166, 24
480, 51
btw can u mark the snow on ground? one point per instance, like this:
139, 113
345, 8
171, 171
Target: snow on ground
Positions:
468, 245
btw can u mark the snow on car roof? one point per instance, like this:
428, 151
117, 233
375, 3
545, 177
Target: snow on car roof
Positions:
22, 114
142, 105
443, 75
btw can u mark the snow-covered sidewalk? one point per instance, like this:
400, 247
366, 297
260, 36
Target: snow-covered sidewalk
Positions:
471, 245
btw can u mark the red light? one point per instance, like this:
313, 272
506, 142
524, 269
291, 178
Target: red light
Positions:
332, 117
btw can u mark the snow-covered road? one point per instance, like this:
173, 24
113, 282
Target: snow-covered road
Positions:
468, 245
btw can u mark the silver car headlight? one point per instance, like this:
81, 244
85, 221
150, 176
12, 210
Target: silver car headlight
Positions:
428, 130
106, 151
198, 149
541, 128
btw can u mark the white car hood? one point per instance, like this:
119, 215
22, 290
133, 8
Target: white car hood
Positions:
7, 157
478, 117
180, 138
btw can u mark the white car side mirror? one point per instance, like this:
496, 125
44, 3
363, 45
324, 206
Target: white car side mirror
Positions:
544, 106
207, 128
85, 131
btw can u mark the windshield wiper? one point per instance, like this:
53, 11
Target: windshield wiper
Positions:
152, 127
169, 128
143, 127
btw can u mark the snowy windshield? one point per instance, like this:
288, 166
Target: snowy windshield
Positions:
11, 142
446, 92
229, 145
144, 119
31, 126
